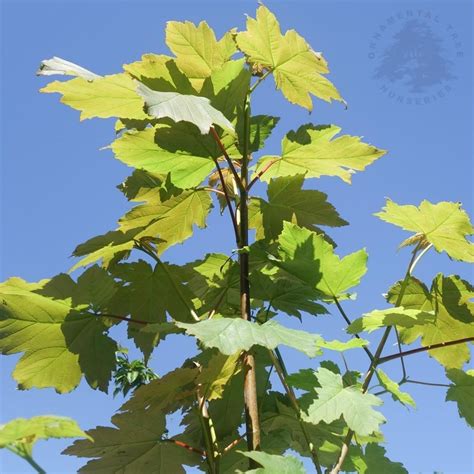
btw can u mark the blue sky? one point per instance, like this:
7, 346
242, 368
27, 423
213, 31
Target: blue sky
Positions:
58, 189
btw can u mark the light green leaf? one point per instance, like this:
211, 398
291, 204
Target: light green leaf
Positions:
59, 66
171, 220
182, 107
287, 201
312, 151
178, 149
108, 96
400, 317
135, 444
335, 400
198, 53
297, 69
341, 346
59, 343
449, 298
273, 463
393, 387
27, 431
307, 256
231, 335
372, 461
444, 224
462, 392
217, 373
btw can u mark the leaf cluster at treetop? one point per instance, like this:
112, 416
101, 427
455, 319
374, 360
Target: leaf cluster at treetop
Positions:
184, 124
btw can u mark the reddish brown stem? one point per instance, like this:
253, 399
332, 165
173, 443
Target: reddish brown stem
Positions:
227, 157
260, 173
186, 446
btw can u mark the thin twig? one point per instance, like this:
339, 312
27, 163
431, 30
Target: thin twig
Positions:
431, 347
227, 157
430, 384
402, 360
213, 190
123, 318
280, 368
348, 321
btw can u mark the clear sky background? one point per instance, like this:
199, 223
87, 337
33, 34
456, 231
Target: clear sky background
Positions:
58, 189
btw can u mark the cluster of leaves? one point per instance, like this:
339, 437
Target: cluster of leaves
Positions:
184, 124
128, 376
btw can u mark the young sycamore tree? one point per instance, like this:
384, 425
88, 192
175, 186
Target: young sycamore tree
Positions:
184, 123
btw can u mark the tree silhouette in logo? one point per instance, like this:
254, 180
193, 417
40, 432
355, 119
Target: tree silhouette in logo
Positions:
416, 58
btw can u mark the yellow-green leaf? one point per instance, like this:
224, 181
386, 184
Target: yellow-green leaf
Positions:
443, 224
108, 96
462, 392
298, 70
314, 152
198, 53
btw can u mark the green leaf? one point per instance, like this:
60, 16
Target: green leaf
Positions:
444, 224
135, 444
372, 461
166, 394
462, 392
449, 299
198, 53
231, 335
287, 201
24, 433
297, 69
307, 256
335, 400
285, 295
171, 220
183, 107
273, 463
108, 96
400, 317
108, 248
393, 387
140, 184
59, 342
178, 149
152, 294
312, 151
341, 346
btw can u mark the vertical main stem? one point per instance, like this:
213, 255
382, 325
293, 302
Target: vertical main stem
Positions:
250, 380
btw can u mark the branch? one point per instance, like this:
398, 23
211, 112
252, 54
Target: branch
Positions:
227, 157
348, 321
213, 190
402, 360
431, 347
260, 173
282, 374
